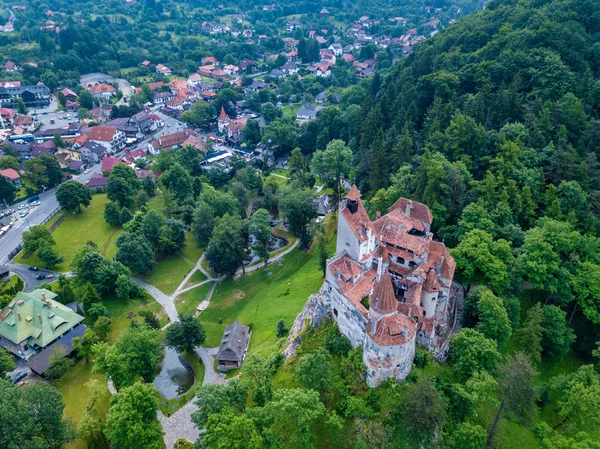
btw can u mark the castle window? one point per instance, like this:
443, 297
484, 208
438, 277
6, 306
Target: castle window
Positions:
412, 264
335, 312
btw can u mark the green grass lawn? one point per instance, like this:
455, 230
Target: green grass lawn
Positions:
76, 394
169, 272
282, 172
290, 110
260, 299
76, 230
197, 277
187, 302
157, 202
281, 182
119, 310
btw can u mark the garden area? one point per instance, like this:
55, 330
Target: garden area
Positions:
260, 299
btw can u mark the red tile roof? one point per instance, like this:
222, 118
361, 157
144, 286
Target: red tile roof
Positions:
419, 211
97, 181
101, 89
102, 133
392, 330
359, 221
353, 194
383, 299
10, 173
109, 162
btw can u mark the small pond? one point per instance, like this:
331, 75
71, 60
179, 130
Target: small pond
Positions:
174, 378
274, 244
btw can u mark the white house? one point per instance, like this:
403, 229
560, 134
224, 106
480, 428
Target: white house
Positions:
110, 138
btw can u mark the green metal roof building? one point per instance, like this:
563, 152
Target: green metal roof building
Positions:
33, 320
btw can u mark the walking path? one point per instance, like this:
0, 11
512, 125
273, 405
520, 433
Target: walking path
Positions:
275, 258
180, 424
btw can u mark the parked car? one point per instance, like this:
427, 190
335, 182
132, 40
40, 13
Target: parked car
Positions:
33, 199
36, 203
34, 269
40, 276
86, 171
24, 213
20, 376
49, 276
22, 206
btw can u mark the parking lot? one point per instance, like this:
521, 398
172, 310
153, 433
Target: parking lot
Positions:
60, 119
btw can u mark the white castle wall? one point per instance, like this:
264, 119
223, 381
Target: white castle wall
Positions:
350, 322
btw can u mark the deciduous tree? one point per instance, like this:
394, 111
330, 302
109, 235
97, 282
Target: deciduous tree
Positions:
186, 334
225, 250
131, 422
72, 195
471, 351
299, 209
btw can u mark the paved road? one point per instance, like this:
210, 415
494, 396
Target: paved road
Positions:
29, 277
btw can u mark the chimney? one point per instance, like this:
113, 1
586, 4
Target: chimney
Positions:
239, 344
19, 315
410, 313
44, 296
404, 332
377, 215
373, 325
40, 317
379, 267
409, 208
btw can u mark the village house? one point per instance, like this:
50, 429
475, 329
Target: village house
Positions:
169, 141
7, 116
24, 121
291, 25
91, 152
103, 91
12, 175
10, 66
97, 182
233, 347
69, 94
389, 285
32, 321
290, 68
32, 96
336, 49
109, 162
308, 112
110, 138
162, 69
324, 12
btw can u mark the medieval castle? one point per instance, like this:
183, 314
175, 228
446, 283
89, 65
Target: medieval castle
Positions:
389, 285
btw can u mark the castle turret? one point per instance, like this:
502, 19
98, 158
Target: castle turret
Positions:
352, 198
